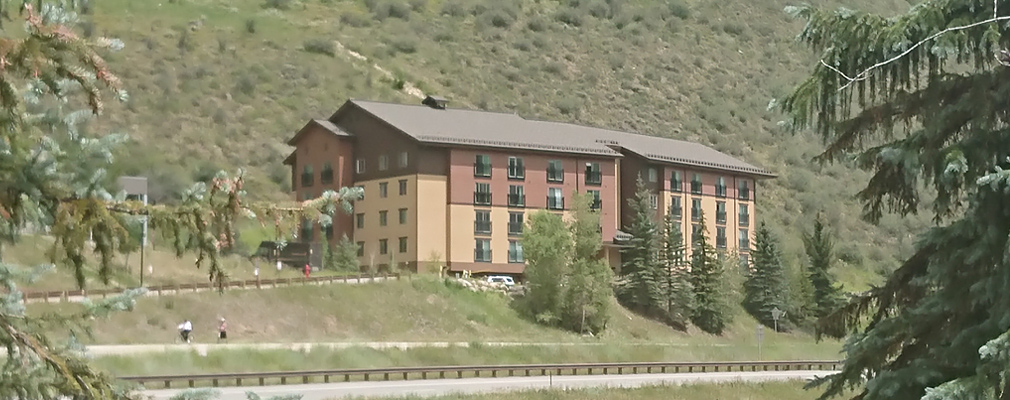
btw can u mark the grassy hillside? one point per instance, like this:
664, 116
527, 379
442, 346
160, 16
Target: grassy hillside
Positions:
696, 391
218, 83
421, 309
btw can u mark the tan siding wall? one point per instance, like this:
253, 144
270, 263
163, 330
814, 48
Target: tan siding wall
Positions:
432, 219
373, 232
461, 238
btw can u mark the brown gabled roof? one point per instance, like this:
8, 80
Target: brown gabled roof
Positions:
492, 129
327, 126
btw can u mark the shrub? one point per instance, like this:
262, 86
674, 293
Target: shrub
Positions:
454, 8
599, 9
537, 24
354, 19
320, 46
399, 10
499, 18
679, 9
418, 5
405, 44
278, 4
250, 25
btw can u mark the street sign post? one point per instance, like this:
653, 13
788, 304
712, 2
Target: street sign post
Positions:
760, 338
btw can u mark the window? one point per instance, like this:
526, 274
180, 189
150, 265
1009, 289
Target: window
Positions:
745, 262
359, 166
654, 201
403, 216
482, 222
695, 209
652, 174
482, 250
403, 244
516, 168
744, 240
359, 221
696, 184
744, 217
515, 251
517, 198
383, 162
383, 246
696, 232
720, 212
555, 171
307, 176
383, 217
361, 249
595, 202
307, 231
720, 237
676, 182
482, 194
555, 199
593, 174
482, 166
743, 190
676, 209
515, 223
403, 187
403, 159
326, 175
720, 187
383, 189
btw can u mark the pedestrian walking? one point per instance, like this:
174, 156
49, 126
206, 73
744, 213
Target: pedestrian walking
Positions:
185, 329
222, 331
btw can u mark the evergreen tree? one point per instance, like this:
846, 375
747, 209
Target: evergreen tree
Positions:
345, 255
54, 177
677, 291
820, 250
921, 98
587, 295
546, 248
711, 312
640, 286
766, 286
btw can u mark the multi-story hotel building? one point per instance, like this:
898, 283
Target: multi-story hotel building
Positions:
455, 186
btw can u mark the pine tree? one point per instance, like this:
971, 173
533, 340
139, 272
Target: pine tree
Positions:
677, 291
55, 177
927, 106
345, 255
766, 287
711, 313
820, 250
588, 292
640, 286
547, 246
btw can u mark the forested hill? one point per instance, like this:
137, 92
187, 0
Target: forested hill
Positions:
222, 83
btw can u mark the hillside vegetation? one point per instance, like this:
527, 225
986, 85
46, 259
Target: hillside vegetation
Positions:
222, 84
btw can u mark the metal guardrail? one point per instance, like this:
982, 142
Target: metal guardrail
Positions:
527, 370
65, 295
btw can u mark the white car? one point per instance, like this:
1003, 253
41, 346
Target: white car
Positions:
506, 280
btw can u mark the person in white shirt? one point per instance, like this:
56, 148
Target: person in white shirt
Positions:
184, 329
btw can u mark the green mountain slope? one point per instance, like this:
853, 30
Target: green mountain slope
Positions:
218, 83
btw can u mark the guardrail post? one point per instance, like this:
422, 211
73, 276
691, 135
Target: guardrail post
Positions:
441, 374
326, 379
261, 381
385, 376
214, 382
347, 377
366, 377
424, 374
648, 370
238, 381
459, 374
192, 383
284, 380
305, 379
168, 384
404, 376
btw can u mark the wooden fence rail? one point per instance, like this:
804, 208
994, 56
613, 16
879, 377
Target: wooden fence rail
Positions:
287, 377
59, 296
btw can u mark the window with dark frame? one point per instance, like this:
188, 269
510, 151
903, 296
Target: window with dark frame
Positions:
516, 169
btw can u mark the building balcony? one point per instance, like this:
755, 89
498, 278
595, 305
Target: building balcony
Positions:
517, 200
482, 227
482, 170
515, 229
518, 173
555, 175
720, 242
482, 198
744, 219
744, 244
594, 178
696, 187
743, 193
695, 214
481, 255
596, 204
554, 203
720, 191
720, 217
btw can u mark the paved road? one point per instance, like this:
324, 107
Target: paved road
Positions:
203, 348
483, 385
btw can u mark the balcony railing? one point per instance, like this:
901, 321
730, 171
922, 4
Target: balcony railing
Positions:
481, 255
482, 226
555, 203
744, 244
594, 177
744, 219
696, 187
676, 212
720, 217
695, 214
516, 172
596, 204
517, 200
720, 242
306, 180
720, 191
555, 175
515, 228
482, 198
676, 185
744, 193
482, 170
326, 177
